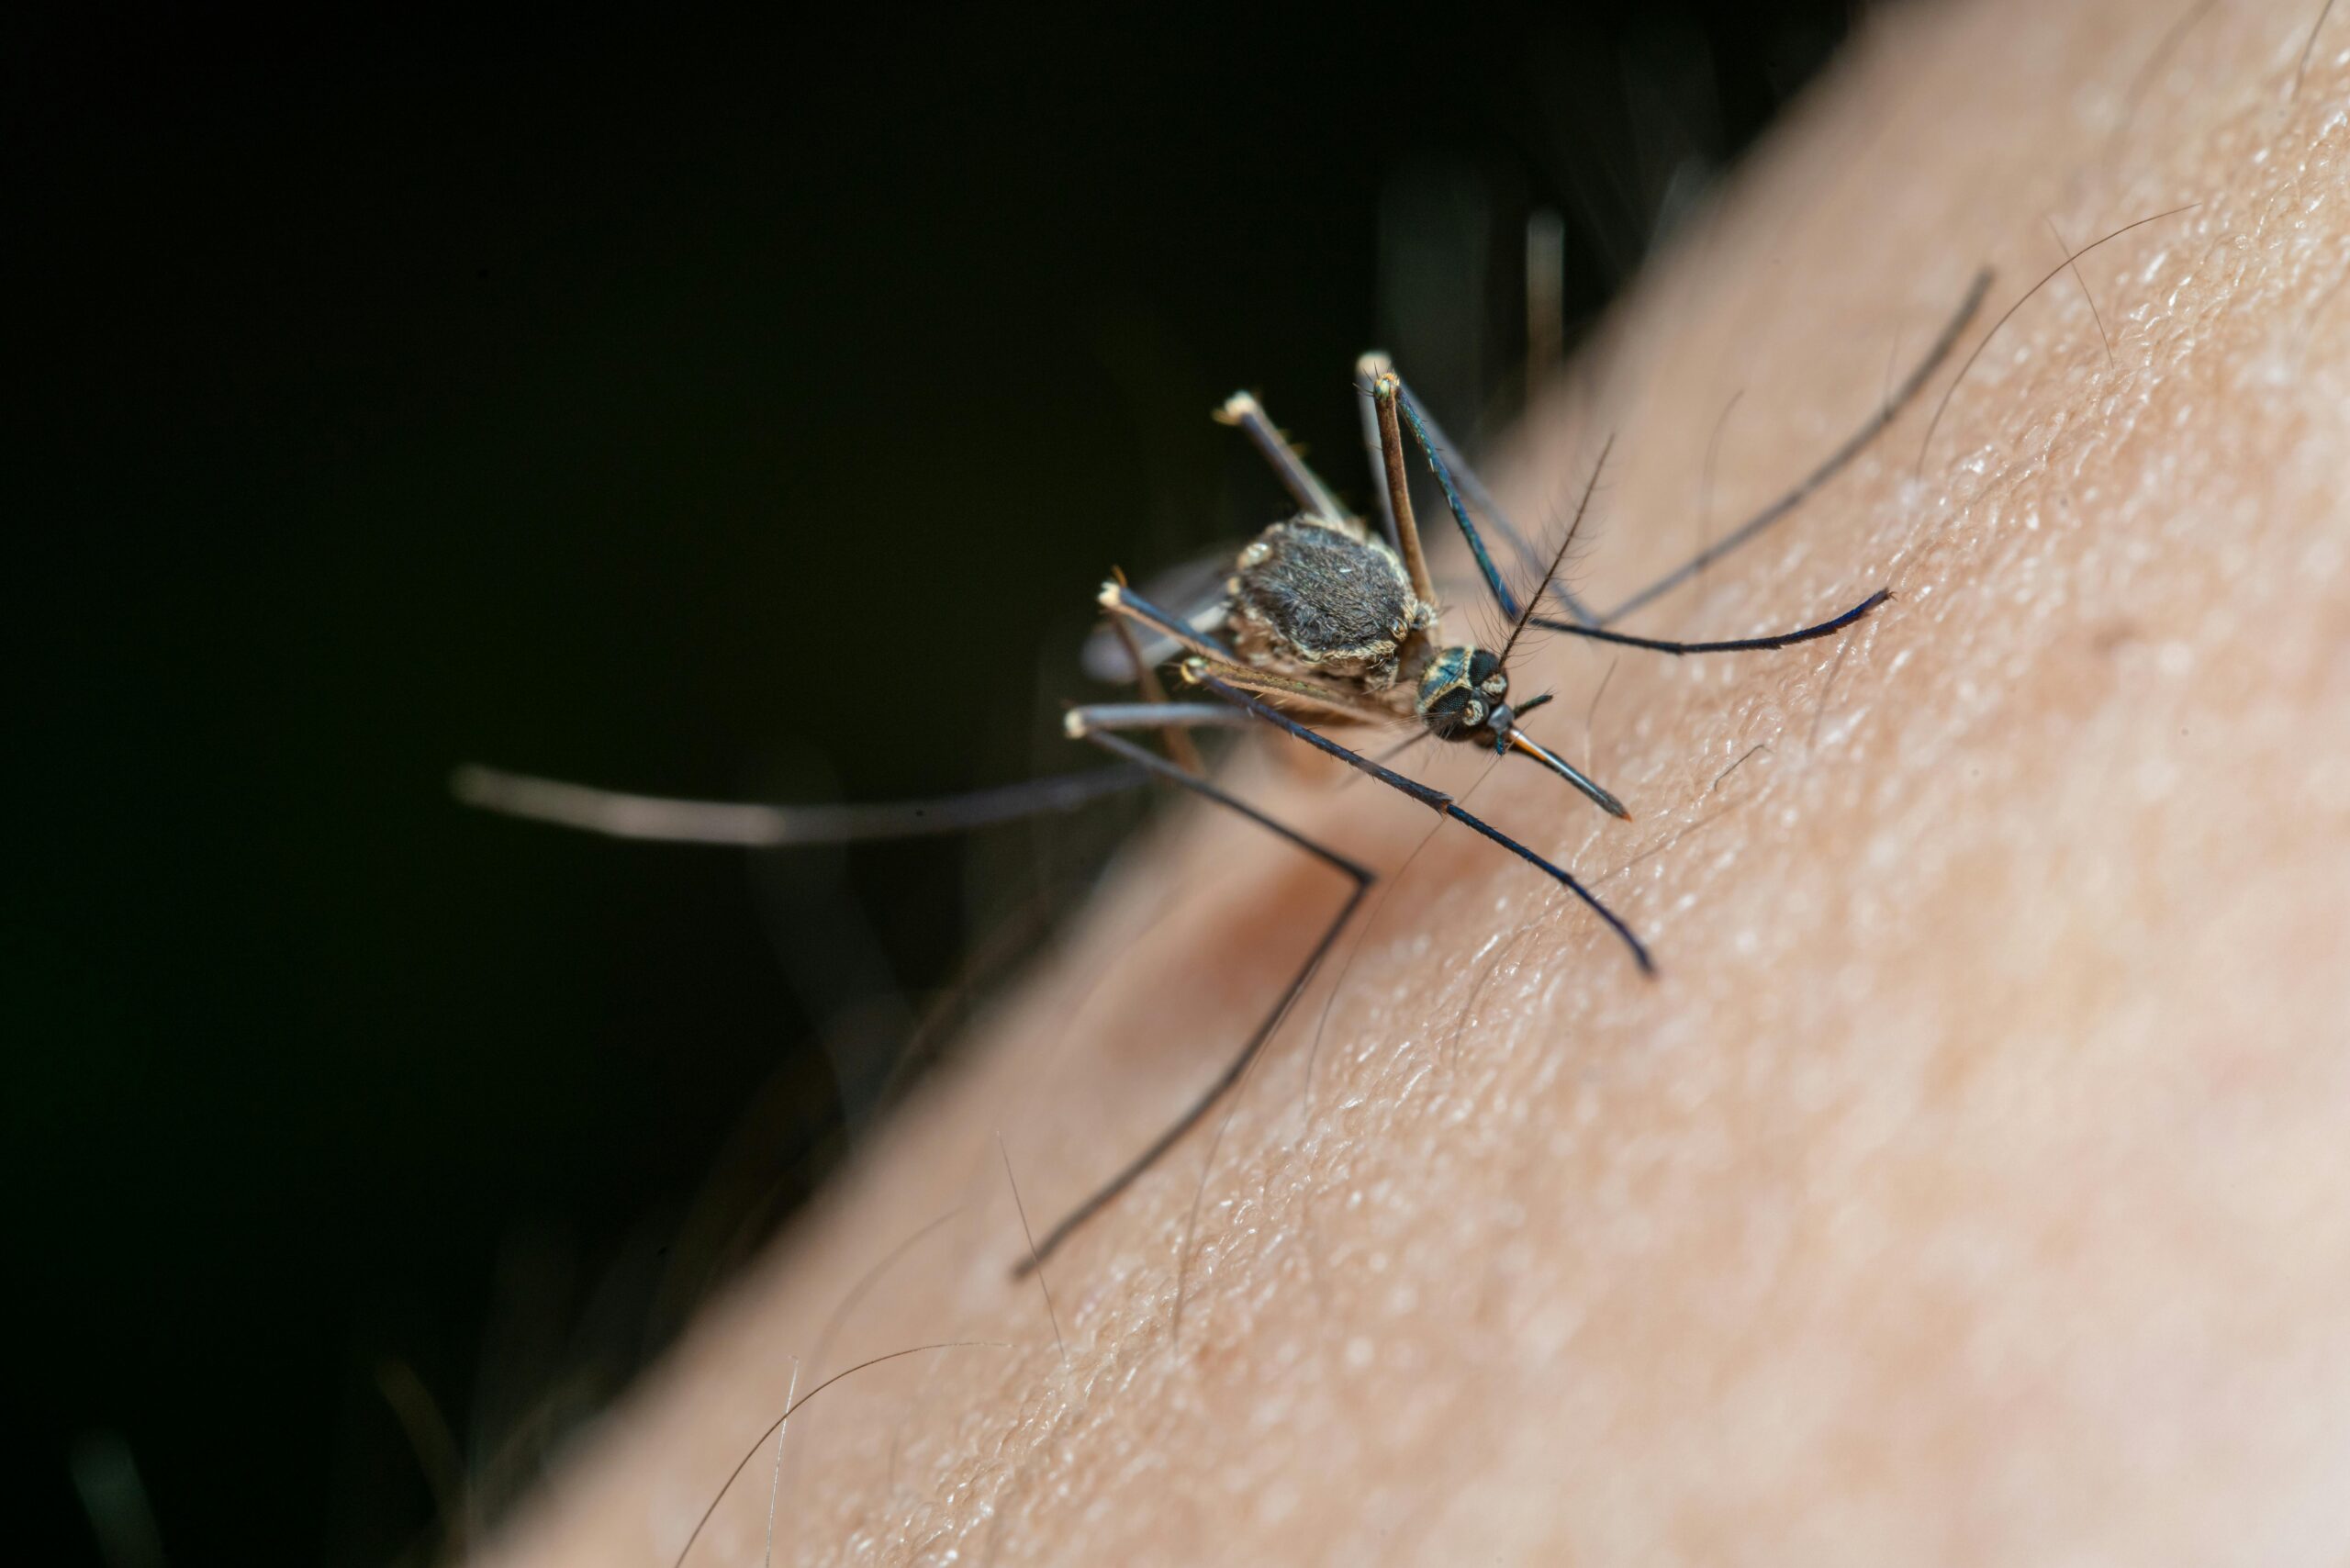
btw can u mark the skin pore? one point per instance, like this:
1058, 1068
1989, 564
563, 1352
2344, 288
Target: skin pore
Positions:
1968, 1186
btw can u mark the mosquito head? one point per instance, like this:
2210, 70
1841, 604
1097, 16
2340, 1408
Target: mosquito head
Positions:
1463, 696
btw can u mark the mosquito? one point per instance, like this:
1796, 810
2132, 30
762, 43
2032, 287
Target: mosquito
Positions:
1321, 621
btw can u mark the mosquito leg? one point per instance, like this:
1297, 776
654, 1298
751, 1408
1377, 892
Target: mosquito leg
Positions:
617, 814
1399, 503
1197, 586
1179, 741
1346, 706
1368, 370
1444, 456
1296, 476
1090, 725
1436, 800
1837, 461
1827, 628
1119, 598
1437, 447
1386, 397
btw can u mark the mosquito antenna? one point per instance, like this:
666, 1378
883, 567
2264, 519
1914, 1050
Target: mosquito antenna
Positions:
793, 1408
1558, 556
1948, 392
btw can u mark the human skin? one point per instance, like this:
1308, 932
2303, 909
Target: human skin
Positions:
1968, 1187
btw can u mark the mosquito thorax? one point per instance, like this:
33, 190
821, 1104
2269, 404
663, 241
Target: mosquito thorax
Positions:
1463, 697
1321, 597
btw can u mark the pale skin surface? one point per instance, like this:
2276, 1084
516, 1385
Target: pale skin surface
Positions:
1970, 1188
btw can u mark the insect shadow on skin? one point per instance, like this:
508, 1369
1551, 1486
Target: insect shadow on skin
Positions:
1322, 622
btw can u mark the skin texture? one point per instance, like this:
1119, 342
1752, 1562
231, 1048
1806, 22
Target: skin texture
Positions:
1968, 1189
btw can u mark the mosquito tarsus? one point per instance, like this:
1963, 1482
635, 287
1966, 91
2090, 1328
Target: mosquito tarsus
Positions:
1322, 621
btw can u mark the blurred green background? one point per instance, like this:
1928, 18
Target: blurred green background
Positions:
746, 414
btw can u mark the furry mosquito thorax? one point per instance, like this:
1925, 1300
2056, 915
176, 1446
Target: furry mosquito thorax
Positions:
1315, 597
1461, 692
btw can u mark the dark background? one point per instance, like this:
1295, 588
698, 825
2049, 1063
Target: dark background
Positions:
731, 416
